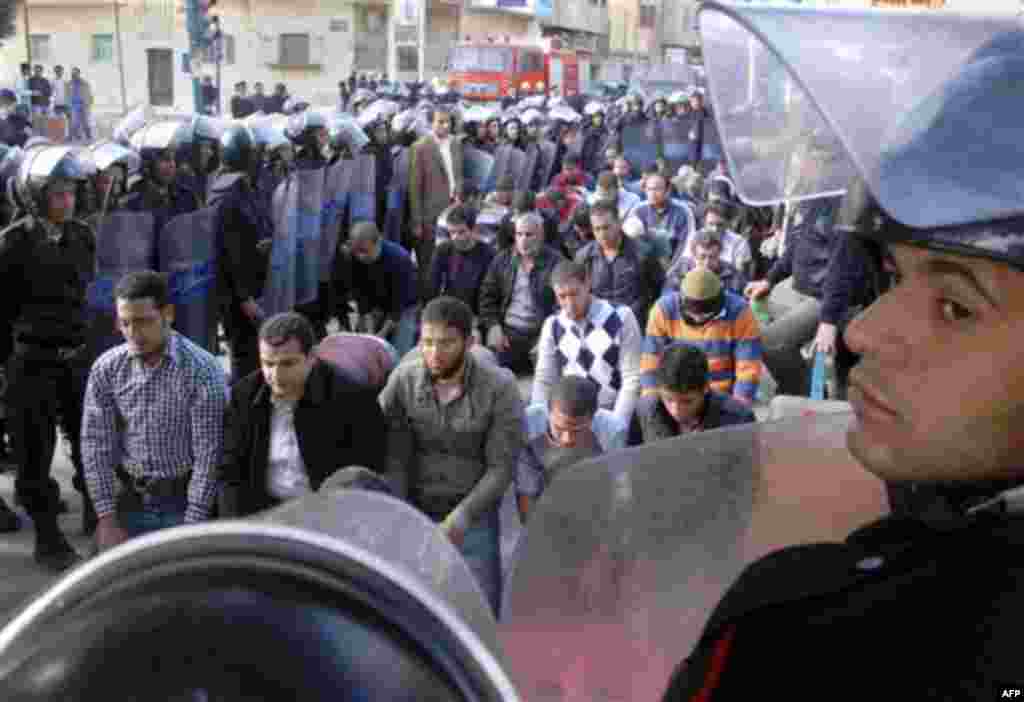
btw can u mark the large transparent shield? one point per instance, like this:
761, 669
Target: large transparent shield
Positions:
308, 224
625, 556
676, 146
508, 162
362, 189
477, 167
279, 289
398, 190
903, 94
641, 143
347, 595
125, 243
187, 252
335, 204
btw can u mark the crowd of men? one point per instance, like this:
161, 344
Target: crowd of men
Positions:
490, 244
37, 97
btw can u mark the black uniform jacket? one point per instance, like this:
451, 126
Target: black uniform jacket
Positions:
905, 609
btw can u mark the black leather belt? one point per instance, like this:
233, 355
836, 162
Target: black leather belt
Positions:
156, 487
61, 353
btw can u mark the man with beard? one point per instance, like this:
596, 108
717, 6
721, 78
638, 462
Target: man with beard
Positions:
455, 431
460, 264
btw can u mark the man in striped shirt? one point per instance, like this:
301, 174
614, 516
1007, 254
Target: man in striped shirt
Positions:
153, 422
707, 316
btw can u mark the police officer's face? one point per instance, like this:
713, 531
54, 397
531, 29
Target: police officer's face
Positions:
166, 170
444, 350
566, 430
285, 368
144, 325
939, 391
513, 131
60, 200
684, 407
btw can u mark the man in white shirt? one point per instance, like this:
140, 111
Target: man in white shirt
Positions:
60, 92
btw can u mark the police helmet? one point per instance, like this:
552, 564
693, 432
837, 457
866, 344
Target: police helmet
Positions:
303, 129
345, 135
240, 152
48, 166
156, 142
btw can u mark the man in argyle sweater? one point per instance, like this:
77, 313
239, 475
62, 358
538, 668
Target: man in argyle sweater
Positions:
592, 338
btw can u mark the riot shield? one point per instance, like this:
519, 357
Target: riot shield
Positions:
308, 223
477, 167
508, 162
675, 143
125, 243
344, 595
362, 189
335, 203
546, 163
625, 556
279, 289
398, 190
641, 143
187, 252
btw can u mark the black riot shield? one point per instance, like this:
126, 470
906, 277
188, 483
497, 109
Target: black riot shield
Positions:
125, 243
308, 217
335, 204
347, 595
625, 556
187, 252
508, 162
477, 167
279, 289
398, 191
641, 143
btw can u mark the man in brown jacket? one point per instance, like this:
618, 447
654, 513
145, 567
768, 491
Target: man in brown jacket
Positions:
435, 171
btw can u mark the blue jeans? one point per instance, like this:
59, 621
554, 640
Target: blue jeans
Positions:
154, 515
481, 547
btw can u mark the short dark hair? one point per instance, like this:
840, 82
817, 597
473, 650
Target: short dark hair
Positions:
707, 237
142, 284
605, 208
280, 328
656, 173
682, 368
575, 395
569, 271
581, 217
462, 215
451, 312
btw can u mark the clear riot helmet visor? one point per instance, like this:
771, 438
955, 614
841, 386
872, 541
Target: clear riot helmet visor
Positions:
807, 100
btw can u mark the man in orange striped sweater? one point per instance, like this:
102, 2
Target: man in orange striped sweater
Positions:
705, 315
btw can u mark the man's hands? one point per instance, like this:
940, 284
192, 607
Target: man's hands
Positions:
252, 310
496, 339
757, 289
109, 533
825, 340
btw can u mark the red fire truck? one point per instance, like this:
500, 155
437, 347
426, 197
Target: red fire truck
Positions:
487, 71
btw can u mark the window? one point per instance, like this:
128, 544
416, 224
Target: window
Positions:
408, 58
480, 58
531, 62
102, 48
41, 48
294, 50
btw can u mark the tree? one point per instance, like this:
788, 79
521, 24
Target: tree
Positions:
8, 9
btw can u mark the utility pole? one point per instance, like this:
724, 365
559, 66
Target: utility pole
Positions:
422, 58
28, 35
120, 55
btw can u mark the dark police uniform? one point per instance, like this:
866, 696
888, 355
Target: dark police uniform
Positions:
925, 608
45, 278
165, 205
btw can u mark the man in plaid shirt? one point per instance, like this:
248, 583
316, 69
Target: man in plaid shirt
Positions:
154, 420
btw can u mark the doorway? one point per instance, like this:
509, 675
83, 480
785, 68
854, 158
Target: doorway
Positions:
161, 76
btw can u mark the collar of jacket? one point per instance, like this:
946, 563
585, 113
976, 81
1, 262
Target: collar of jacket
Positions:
425, 386
542, 258
314, 394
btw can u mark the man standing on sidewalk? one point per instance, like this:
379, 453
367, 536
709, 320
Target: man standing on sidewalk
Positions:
80, 95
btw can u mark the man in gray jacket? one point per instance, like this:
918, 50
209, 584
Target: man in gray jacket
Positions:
455, 430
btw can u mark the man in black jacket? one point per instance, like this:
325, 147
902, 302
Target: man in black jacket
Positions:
293, 424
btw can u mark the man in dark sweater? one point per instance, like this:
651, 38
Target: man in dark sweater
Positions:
384, 287
460, 264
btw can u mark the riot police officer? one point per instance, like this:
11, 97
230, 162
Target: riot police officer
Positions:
308, 132
115, 163
47, 259
245, 234
197, 155
159, 191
